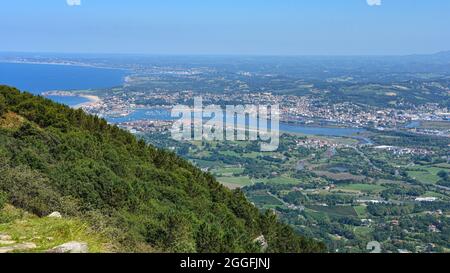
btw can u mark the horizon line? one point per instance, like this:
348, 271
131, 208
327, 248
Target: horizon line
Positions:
219, 54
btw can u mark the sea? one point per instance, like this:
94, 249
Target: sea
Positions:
39, 78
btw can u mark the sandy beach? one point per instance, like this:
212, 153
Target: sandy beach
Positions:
92, 100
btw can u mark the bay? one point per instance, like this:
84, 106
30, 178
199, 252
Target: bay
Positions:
38, 78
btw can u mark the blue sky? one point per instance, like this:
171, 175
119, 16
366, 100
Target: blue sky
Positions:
260, 27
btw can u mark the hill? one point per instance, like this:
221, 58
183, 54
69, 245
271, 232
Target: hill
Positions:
53, 158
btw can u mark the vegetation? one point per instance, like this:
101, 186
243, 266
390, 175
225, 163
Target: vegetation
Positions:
345, 194
47, 233
53, 158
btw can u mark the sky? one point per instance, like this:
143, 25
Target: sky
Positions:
248, 27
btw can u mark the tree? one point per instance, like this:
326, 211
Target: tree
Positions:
444, 175
2, 106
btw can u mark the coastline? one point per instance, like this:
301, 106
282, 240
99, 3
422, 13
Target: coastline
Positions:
92, 100
73, 64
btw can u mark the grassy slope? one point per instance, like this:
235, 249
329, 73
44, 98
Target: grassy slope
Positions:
47, 233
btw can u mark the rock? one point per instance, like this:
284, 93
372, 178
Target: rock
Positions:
55, 215
18, 247
70, 247
261, 240
5, 237
7, 242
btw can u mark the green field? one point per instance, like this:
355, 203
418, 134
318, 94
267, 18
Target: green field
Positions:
426, 175
340, 176
235, 182
443, 165
279, 180
361, 211
227, 171
363, 231
205, 163
230, 153
363, 187
335, 210
435, 194
252, 155
264, 199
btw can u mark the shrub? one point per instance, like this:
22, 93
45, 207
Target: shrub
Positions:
3, 199
2, 105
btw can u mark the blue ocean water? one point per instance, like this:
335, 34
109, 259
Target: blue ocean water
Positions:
38, 78
68, 100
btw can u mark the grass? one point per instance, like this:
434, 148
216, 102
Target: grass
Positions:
368, 188
230, 153
227, 171
340, 176
335, 210
318, 216
205, 163
426, 175
235, 182
443, 165
262, 198
252, 155
363, 231
279, 180
361, 211
435, 194
423, 176
46, 232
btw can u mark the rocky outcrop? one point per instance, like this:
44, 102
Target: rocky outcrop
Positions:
5, 239
18, 248
261, 240
70, 247
55, 215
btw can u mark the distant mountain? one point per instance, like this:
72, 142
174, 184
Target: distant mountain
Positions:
442, 57
443, 53
53, 158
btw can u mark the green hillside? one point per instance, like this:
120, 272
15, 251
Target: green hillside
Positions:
53, 158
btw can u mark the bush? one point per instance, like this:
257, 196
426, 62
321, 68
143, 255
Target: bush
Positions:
3, 199
29, 190
2, 105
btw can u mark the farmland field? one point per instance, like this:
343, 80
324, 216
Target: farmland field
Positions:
363, 187
335, 210
279, 180
426, 175
235, 182
264, 199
